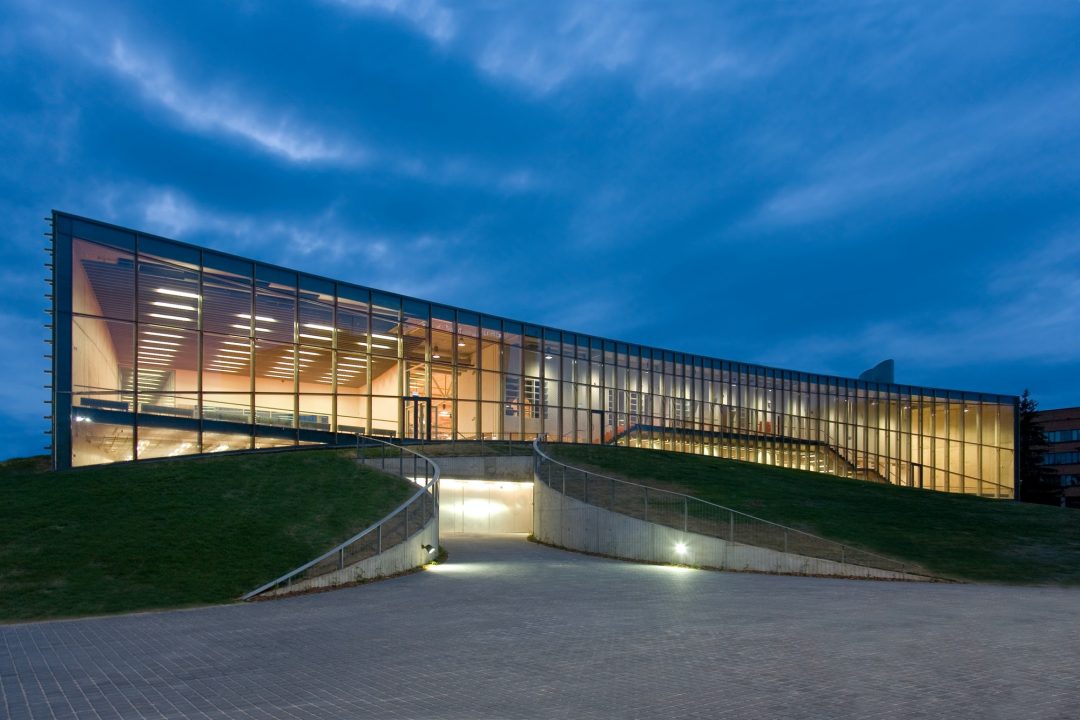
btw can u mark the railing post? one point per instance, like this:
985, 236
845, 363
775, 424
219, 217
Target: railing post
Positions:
379, 533
785, 541
646, 503
341, 559
731, 521
406, 522
586, 486
563, 479
612, 494
685, 513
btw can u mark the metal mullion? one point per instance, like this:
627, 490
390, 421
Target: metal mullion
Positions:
199, 345
135, 354
334, 365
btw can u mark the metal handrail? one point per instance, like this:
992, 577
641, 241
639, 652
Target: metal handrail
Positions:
430, 486
892, 563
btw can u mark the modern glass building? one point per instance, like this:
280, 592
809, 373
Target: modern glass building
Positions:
161, 348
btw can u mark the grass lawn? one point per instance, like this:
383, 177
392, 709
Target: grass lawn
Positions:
176, 532
953, 536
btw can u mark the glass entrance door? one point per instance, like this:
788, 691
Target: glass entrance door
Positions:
596, 431
417, 414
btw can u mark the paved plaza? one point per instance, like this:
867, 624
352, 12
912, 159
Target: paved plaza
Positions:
508, 629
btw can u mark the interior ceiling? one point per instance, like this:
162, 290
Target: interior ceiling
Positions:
113, 284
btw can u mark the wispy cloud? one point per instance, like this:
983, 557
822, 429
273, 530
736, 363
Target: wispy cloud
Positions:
221, 109
430, 16
934, 156
544, 46
325, 242
1029, 311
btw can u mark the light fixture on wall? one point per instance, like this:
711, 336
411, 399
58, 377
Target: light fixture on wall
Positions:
430, 549
680, 548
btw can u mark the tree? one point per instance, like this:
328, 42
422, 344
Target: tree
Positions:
1038, 483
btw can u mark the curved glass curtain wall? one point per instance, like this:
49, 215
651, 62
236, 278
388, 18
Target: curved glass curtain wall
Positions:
177, 350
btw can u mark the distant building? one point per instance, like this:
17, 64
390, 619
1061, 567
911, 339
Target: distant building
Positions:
1062, 428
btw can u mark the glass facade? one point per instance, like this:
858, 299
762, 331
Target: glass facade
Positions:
164, 349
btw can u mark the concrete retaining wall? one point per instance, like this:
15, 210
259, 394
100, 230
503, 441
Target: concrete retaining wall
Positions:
492, 467
465, 467
569, 523
400, 558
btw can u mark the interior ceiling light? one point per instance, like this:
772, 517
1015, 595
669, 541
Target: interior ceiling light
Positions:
153, 362
315, 337
161, 334
260, 318
436, 357
178, 293
174, 306
381, 347
383, 337
170, 317
308, 352
159, 342
313, 326
461, 344
241, 353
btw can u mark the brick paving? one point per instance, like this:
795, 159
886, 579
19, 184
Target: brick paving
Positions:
508, 629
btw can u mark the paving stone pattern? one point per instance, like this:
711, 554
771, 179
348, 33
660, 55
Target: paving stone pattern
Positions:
508, 629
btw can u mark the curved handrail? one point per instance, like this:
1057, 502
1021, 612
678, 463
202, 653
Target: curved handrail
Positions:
430, 486
892, 563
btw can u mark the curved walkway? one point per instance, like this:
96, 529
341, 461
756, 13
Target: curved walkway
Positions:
509, 629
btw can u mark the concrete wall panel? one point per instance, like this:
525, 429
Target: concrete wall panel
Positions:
566, 522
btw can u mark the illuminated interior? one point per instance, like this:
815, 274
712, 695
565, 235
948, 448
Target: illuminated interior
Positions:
163, 349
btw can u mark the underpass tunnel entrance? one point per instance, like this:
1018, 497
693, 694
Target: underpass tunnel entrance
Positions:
485, 506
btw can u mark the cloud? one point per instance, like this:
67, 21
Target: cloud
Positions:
223, 110
326, 242
544, 46
1028, 312
930, 157
430, 16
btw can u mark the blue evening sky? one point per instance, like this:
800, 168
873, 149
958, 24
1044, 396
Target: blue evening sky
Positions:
813, 185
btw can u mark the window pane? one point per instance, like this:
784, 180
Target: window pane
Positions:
226, 363
314, 367
316, 411
316, 323
275, 410
103, 281
352, 413
168, 294
275, 365
226, 296
101, 363
352, 373
167, 360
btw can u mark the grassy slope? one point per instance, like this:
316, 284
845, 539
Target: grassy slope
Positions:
178, 532
955, 536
